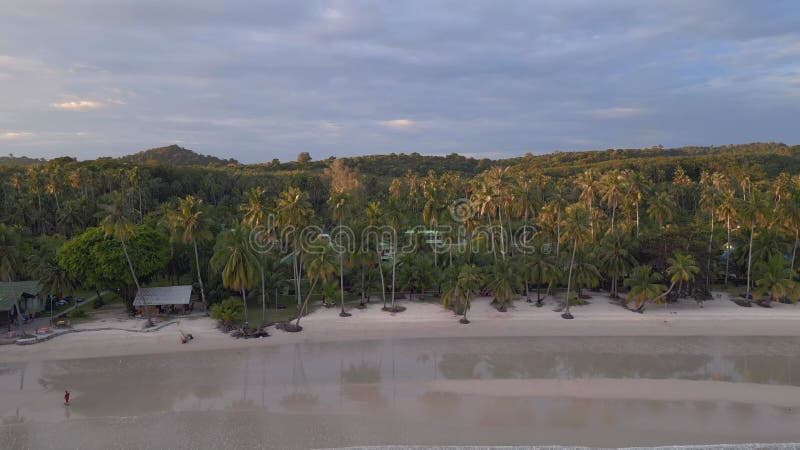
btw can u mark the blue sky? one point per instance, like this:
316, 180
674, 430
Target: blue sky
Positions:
255, 81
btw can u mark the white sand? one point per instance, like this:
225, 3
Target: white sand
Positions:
719, 317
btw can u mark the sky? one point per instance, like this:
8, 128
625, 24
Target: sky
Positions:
261, 80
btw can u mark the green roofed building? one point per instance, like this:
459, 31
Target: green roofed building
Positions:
18, 297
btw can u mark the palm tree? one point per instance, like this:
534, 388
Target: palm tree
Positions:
463, 289
9, 252
775, 279
642, 285
790, 219
615, 258
660, 211
235, 260
587, 183
577, 231
612, 185
339, 201
117, 225
728, 211
319, 266
681, 269
502, 280
374, 218
394, 218
708, 201
188, 225
294, 213
753, 213
255, 208
586, 273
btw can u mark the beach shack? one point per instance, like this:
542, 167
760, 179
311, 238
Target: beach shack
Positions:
19, 298
163, 299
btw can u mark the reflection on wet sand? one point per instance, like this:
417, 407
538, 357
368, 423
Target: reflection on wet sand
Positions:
593, 391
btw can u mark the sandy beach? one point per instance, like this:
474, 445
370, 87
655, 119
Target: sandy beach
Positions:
718, 317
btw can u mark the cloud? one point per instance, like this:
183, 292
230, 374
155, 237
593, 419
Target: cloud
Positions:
15, 135
77, 105
617, 112
349, 77
399, 124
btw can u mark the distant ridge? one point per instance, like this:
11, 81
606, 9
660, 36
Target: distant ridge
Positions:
175, 155
12, 160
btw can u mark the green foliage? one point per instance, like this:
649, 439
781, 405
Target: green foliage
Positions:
229, 312
77, 313
97, 262
175, 156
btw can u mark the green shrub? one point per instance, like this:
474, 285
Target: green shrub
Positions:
228, 312
77, 313
98, 303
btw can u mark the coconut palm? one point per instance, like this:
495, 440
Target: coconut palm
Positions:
728, 212
753, 215
660, 211
585, 271
9, 251
466, 285
117, 225
338, 202
616, 258
394, 218
235, 260
577, 231
293, 214
612, 189
255, 208
320, 266
681, 268
373, 214
643, 285
502, 280
189, 226
790, 219
775, 280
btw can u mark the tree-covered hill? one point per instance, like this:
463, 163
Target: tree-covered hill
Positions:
12, 160
175, 155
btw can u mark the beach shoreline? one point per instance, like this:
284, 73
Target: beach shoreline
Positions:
718, 317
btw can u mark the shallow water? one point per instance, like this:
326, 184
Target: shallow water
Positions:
602, 391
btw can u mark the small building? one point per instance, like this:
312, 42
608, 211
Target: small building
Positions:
18, 297
163, 299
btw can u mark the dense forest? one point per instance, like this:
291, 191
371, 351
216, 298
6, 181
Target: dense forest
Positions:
648, 225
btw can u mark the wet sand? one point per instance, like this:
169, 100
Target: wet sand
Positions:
594, 391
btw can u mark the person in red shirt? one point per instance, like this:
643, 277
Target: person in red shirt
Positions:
66, 397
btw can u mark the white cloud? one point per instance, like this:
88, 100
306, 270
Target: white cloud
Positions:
617, 112
15, 135
77, 105
399, 124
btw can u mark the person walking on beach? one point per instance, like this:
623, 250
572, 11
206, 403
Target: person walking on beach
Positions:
66, 398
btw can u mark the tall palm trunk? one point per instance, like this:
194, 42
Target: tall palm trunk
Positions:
263, 298
199, 277
749, 260
244, 302
341, 268
296, 268
301, 311
728, 253
133, 274
794, 250
710, 242
569, 276
394, 275
383, 282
